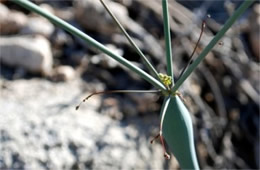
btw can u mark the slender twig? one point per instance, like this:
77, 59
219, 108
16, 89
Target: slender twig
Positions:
137, 49
160, 135
117, 91
193, 52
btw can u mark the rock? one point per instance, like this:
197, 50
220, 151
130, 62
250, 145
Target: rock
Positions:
127, 3
63, 73
11, 21
3, 11
38, 25
60, 38
106, 61
48, 133
47, 7
66, 14
93, 16
33, 53
110, 107
254, 30
79, 57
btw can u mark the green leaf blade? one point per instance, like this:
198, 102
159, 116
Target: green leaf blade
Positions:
73, 30
147, 63
167, 37
178, 133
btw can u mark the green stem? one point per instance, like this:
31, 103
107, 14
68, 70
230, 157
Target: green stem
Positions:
167, 37
32, 7
145, 60
213, 42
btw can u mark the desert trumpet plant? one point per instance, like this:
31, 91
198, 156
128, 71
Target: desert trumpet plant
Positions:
176, 125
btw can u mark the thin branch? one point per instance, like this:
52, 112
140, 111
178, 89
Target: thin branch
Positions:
195, 48
116, 91
160, 135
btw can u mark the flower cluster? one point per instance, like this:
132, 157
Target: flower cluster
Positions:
167, 80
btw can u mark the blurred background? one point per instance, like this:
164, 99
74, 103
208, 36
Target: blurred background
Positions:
46, 72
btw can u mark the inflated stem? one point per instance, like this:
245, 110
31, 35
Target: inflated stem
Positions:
213, 42
32, 7
178, 133
167, 37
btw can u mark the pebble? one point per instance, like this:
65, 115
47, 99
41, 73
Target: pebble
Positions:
254, 32
93, 16
63, 73
105, 60
38, 25
33, 53
11, 22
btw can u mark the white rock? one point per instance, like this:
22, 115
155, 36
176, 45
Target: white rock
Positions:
11, 21
38, 25
48, 133
48, 8
3, 10
64, 73
33, 53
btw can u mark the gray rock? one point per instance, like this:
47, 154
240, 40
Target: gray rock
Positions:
254, 32
11, 22
106, 61
127, 3
92, 15
66, 14
38, 25
60, 38
46, 132
33, 53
